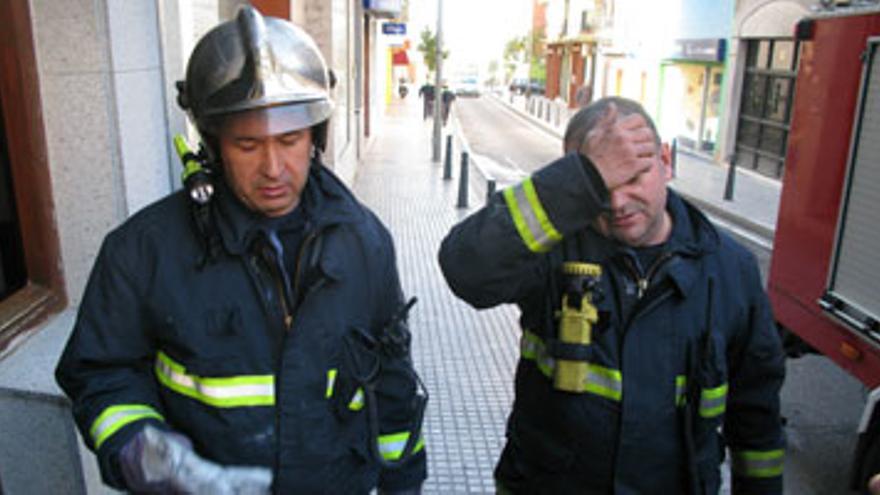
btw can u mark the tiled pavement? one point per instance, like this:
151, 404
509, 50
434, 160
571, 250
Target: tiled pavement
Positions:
466, 358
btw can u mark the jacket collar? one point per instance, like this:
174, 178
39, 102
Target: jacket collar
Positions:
693, 236
324, 202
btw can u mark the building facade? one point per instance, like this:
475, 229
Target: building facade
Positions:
763, 62
693, 74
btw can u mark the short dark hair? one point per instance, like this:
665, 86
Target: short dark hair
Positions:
586, 118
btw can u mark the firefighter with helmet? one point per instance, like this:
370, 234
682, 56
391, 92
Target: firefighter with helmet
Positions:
248, 334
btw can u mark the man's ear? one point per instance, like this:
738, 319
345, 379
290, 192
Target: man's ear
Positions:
666, 160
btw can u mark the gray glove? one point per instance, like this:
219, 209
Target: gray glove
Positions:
157, 461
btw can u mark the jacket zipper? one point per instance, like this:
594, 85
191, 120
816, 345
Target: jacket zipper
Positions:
289, 310
644, 282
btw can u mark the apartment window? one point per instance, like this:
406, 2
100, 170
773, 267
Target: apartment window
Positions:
31, 285
765, 105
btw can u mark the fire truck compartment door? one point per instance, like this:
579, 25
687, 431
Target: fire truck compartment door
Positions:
854, 279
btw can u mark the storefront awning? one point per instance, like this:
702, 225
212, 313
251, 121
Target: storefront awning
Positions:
399, 57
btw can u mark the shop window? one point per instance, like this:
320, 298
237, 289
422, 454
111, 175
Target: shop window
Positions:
783, 55
765, 105
753, 94
31, 286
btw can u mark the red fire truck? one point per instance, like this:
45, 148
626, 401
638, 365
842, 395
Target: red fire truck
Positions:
824, 280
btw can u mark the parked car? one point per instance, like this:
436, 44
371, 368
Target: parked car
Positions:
525, 86
468, 87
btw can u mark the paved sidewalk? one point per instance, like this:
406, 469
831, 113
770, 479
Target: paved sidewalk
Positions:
466, 358
755, 202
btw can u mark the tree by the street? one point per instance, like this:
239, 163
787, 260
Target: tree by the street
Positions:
428, 48
526, 50
493, 73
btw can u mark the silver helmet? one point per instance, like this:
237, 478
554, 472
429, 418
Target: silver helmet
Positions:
254, 62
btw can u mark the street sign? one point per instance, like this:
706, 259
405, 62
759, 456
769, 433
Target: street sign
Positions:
393, 28
388, 9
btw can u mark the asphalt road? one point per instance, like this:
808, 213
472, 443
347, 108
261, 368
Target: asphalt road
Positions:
821, 403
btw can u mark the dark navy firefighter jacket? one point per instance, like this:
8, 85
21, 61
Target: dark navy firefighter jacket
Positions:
680, 352
254, 370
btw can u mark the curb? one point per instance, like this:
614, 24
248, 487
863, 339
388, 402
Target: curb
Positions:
552, 131
760, 230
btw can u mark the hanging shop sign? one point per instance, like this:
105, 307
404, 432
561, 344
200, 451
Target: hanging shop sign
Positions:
700, 50
393, 28
384, 8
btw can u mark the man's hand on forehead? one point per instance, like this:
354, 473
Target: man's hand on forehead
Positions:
620, 147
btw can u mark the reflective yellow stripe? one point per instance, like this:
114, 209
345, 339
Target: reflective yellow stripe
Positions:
529, 217
758, 463
599, 380
357, 400
391, 446
234, 391
331, 382
713, 401
115, 417
680, 389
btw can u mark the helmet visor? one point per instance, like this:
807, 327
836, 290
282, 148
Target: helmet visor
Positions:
273, 120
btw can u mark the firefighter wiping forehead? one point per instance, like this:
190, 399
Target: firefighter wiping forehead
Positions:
638, 214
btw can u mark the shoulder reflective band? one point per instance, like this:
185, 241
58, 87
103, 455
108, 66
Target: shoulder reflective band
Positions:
758, 463
115, 417
713, 401
391, 446
233, 391
357, 400
529, 217
599, 380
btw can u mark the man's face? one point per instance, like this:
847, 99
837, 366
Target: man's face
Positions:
638, 214
267, 172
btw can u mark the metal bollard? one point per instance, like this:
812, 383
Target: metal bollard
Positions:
731, 178
674, 157
490, 189
447, 160
463, 182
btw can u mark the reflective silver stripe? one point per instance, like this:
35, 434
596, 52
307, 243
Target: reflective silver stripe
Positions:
331, 382
606, 382
234, 391
680, 389
391, 446
113, 418
529, 217
357, 401
603, 381
758, 463
713, 401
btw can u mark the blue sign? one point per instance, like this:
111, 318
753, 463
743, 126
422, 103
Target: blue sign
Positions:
393, 28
